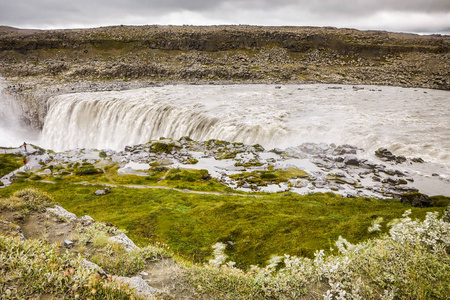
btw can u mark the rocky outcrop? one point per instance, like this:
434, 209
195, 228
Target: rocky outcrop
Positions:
387, 155
234, 53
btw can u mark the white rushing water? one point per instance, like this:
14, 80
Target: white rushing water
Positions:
410, 122
13, 131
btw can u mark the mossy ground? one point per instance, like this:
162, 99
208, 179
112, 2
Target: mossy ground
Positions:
10, 162
254, 226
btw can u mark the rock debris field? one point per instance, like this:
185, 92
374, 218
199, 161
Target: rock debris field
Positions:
308, 168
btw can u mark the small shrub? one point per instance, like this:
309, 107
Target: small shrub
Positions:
29, 199
114, 259
90, 170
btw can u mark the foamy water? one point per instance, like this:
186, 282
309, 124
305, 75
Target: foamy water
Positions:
410, 122
13, 132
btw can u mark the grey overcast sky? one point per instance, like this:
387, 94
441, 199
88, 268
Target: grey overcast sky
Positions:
418, 16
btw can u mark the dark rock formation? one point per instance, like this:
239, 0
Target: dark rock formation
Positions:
387, 155
416, 199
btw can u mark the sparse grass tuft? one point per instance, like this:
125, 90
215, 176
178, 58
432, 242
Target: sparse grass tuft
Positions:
29, 199
32, 268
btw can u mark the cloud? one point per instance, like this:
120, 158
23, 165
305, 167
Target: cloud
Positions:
399, 15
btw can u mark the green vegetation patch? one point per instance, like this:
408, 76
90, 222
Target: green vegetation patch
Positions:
412, 261
192, 179
10, 162
160, 147
254, 227
262, 178
28, 199
86, 169
38, 268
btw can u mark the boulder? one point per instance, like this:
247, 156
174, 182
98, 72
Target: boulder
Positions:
387, 155
100, 192
87, 220
351, 161
140, 287
124, 241
416, 199
61, 212
68, 244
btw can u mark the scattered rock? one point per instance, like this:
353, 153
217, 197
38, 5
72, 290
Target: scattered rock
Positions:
277, 151
92, 266
141, 288
87, 220
387, 155
61, 212
100, 192
351, 161
124, 241
68, 244
103, 191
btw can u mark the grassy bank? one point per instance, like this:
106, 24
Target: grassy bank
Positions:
9, 162
253, 227
410, 261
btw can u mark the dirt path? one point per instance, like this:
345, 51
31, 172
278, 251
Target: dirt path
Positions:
186, 191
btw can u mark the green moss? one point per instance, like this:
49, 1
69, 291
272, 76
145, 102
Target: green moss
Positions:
159, 147
212, 144
191, 161
249, 164
262, 178
102, 154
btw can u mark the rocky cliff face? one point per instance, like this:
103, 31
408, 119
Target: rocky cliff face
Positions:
44, 58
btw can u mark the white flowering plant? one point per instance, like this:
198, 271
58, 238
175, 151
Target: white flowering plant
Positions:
411, 261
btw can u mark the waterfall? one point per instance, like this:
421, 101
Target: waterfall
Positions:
116, 119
